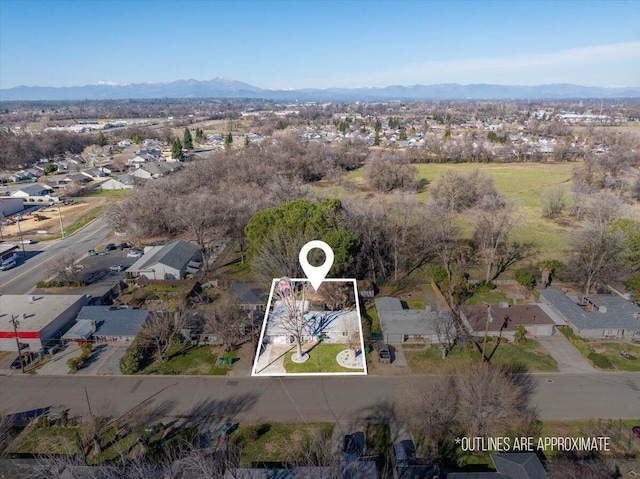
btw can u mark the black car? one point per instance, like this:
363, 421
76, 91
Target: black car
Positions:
124, 245
26, 359
353, 446
110, 247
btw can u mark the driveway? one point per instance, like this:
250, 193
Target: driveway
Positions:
568, 357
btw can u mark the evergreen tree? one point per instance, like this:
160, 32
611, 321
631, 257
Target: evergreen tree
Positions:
378, 125
246, 141
187, 140
137, 139
228, 140
176, 149
102, 140
403, 134
376, 139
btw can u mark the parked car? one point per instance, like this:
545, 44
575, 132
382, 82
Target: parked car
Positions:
92, 252
134, 253
26, 241
122, 246
8, 265
384, 354
76, 267
117, 267
110, 247
404, 450
353, 446
26, 359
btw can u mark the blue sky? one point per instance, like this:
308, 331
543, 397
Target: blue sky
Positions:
320, 44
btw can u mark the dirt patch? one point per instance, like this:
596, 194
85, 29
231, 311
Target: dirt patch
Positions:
71, 214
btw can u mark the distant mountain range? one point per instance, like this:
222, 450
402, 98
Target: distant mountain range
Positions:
225, 88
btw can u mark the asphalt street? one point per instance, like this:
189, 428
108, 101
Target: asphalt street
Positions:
23, 278
556, 396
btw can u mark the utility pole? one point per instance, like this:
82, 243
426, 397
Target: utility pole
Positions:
18, 218
486, 332
16, 323
60, 218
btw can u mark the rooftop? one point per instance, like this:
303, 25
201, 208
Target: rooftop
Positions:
522, 314
34, 311
113, 321
176, 254
395, 319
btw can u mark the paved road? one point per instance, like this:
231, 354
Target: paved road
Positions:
23, 278
557, 396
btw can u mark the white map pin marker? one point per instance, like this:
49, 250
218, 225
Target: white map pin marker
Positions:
316, 274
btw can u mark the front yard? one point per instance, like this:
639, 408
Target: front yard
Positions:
278, 442
531, 357
186, 359
606, 355
322, 359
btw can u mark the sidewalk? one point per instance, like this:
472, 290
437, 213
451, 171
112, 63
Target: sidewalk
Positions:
568, 357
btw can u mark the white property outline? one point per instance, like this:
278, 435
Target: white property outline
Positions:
254, 373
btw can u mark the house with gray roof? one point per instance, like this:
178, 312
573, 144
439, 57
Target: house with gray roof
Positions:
34, 190
512, 465
399, 324
120, 182
248, 296
107, 323
599, 316
174, 260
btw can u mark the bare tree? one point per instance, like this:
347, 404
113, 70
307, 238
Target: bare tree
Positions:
598, 255
227, 320
64, 267
445, 327
554, 201
161, 330
579, 469
350, 330
292, 295
429, 405
490, 401
493, 226
336, 295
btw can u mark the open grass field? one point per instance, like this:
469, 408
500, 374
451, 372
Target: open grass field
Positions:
523, 183
531, 357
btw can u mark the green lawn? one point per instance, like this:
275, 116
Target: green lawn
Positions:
530, 356
275, 442
185, 359
523, 183
322, 359
491, 297
108, 193
610, 351
51, 440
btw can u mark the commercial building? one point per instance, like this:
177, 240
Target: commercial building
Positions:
41, 318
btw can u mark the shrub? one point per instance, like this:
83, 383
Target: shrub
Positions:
600, 360
133, 359
526, 278
485, 287
75, 364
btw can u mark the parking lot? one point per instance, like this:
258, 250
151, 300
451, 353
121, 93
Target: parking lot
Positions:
95, 269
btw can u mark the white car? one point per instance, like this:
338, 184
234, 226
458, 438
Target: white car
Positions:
134, 253
8, 265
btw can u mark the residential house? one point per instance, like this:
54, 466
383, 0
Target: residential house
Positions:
153, 170
330, 326
107, 324
33, 192
120, 182
249, 297
505, 319
597, 316
400, 325
93, 173
511, 465
174, 260
22, 175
